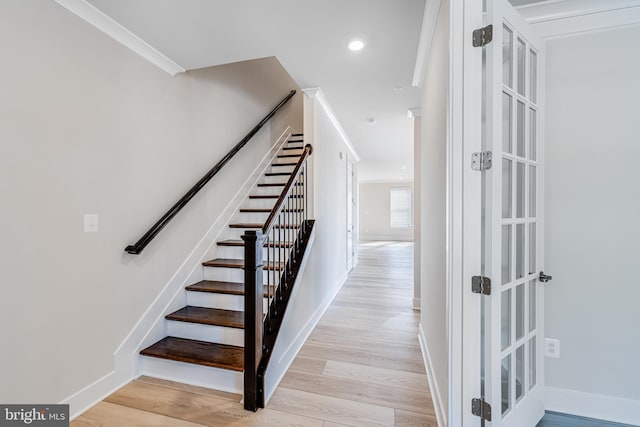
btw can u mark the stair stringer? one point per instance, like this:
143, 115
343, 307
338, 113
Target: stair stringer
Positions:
151, 326
286, 347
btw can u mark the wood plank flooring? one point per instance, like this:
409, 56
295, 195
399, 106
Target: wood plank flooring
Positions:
361, 366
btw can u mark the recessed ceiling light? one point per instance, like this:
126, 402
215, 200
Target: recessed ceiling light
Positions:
403, 168
356, 45
371, 121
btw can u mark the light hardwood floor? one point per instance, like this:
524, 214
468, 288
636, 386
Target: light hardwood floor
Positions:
361, 366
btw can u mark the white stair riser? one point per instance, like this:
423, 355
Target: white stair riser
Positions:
227, 274
244, 217
233, 252
236, 275
259, 203
237, 252
213, 300
284, 234
268, 190
188, 373
221, 301
209, 333
287, 159
277, 179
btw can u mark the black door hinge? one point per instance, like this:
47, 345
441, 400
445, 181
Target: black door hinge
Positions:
481, 409
481, 285
483, 36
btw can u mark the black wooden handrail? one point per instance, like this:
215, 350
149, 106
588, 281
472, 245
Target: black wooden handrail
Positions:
136, 248
277, 208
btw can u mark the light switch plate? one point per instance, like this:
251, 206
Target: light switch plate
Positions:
91, 223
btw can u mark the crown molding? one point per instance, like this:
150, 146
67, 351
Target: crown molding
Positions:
559, 18
317, 94
113, 29
429, 21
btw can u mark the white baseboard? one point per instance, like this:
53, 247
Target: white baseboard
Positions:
94, 393
598, 406
151, 327
438, 404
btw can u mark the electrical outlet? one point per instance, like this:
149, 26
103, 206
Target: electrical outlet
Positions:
552, 348
91, 223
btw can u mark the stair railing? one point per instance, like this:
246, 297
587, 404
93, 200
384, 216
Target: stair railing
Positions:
276, 250
147, 237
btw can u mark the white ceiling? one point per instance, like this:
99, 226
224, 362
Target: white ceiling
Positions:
310, 38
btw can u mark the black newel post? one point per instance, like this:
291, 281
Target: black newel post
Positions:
253, 317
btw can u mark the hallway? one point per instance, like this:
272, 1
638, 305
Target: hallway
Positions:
361, 366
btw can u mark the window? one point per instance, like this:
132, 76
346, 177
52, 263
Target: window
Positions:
400, 207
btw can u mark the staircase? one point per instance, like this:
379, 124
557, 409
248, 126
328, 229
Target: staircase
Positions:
206, 339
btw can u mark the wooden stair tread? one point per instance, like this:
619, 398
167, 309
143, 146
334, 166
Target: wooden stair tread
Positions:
277, 174
255, 210
198, 352
241, 243
279, 184
258, 225
239, 263
282, 156
220, 287
264, 196
273, 196
246, 225
266, 210
209, 316
293, 148
283, 164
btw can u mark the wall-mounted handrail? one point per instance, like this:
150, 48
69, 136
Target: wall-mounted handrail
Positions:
136, 248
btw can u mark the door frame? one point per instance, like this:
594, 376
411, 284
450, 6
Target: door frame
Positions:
351, 198
464, 205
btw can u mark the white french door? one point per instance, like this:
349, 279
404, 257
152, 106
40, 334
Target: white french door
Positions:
513, 220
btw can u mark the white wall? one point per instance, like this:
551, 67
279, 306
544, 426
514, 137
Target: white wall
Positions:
433, 120
375, 212
87, 126
326, 268
592, 229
